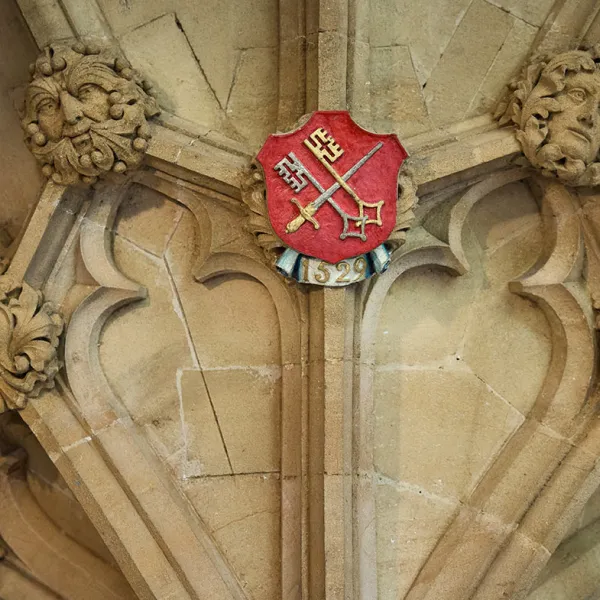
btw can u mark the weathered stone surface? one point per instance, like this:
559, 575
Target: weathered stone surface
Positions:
463, 414
147, 219
508, 61
239, 305
508, 327
246, 403
425, 28
424, 318
396, 100
508, 229
530, 11
251, 103
46, 20
181, 87
462, 69
506, 221
155, 334
205, 450
21, 181
247, 531
402, 542
217, 33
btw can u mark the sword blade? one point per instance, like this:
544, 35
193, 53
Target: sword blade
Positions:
302, 169
312, 207
318, 202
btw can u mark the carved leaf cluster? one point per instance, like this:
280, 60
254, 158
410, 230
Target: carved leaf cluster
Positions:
29, 335
254, 196
407, 200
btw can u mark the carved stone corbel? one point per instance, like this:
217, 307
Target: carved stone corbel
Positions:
86, 114
554, 105
29, 335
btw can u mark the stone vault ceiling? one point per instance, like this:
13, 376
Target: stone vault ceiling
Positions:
429, 435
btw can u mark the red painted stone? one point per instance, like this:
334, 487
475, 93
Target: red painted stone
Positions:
376, 180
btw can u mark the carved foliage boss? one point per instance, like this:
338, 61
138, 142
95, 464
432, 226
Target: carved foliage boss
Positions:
85, 114
29, 336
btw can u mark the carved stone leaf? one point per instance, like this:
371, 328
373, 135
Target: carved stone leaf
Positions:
407, 200
258, 223
29, 335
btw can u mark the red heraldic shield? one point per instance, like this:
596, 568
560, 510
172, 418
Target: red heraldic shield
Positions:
331, 186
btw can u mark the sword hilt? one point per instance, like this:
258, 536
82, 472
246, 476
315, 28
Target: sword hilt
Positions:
306, 214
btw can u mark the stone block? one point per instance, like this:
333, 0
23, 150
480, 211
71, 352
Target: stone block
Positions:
520, 557
424, 27
147, 219
403, 544
216, 33
204, 448
252, 103
438, 429
247, 406
506, 65
255, 23
145, 346
21, 180
503, 215
466, 60
528, 461
424, 317
576, 580
181, 86
335, 520
46, 20
396, 99
232, 319
242, 512
461, 559
509, 334
533, 12
359, 80
125, 16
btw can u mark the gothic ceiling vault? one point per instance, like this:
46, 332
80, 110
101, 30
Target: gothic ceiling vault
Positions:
179, 421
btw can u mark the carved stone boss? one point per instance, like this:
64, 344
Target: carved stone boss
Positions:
555, 105
86, 114
325, 206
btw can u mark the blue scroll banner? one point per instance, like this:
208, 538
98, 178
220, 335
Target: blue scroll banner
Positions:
307, 269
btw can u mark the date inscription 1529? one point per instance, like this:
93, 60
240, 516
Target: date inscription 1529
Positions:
319, 272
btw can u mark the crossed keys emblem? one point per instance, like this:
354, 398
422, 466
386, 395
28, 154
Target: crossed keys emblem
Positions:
297, 176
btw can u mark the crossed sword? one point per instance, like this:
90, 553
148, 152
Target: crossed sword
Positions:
307, 212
